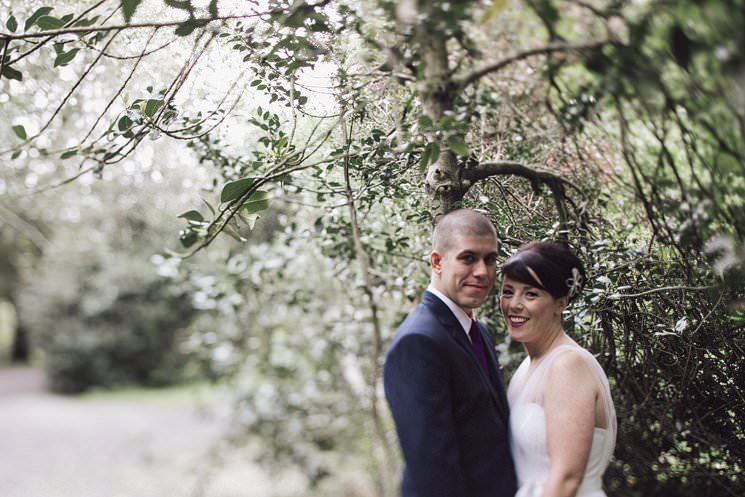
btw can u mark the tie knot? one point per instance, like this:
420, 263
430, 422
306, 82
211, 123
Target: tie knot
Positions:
474, 328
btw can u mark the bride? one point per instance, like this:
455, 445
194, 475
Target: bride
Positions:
562, 419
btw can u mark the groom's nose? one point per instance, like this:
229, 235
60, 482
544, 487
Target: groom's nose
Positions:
480, 268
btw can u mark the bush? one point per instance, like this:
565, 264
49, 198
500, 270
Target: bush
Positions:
134, 340
100, 313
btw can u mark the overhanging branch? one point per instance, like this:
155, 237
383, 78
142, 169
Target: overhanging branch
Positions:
97, 29
477, 74
537, 177
512, 168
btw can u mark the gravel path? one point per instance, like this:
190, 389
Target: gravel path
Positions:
116, 446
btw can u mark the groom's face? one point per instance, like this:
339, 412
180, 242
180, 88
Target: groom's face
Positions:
466, 270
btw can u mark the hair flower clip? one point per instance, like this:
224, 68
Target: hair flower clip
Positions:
575, 282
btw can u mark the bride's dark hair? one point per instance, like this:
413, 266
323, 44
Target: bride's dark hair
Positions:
550, 266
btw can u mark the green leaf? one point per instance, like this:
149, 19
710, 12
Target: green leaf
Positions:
192, 215
41, 11
151, 107
425, 121
446, 122
298, 17
124, 123
69, 153
233, 232
188, 238
180, 4
11, 73
128, 9
250, 219
212, 8
11, 24
185, 29
235, 189
458, 145
20, 132
319, 26
258, 201
430, 155
49, 22
65, 57
86, 22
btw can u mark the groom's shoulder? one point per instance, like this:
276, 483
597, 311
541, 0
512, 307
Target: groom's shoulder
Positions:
422, 320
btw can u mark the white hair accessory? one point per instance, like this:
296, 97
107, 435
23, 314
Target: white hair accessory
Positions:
575, 282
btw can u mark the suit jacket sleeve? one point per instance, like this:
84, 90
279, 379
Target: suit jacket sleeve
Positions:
417, 386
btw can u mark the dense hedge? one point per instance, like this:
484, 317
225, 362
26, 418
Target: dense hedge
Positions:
133, 341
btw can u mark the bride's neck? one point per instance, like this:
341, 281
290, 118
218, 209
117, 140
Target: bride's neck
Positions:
552, 339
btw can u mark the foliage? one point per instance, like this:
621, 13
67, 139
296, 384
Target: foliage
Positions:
616, 126
676, 320
95, 305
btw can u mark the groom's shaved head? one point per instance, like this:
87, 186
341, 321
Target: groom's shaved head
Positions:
457, 223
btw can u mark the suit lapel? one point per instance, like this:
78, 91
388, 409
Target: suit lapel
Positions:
493, 376
495, 371
451, 324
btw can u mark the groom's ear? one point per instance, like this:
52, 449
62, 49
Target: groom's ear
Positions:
435, 261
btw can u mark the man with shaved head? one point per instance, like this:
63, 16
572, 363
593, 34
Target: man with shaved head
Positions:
441, 376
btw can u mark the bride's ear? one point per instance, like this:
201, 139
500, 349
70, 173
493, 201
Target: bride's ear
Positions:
562, 303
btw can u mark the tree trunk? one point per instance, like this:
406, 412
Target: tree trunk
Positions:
443, 181
20, 351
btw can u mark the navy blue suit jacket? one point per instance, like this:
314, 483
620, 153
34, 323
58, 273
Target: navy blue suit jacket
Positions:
450, 414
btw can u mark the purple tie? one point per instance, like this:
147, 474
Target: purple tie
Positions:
478, 344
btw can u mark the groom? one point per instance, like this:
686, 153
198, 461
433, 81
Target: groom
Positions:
441, 374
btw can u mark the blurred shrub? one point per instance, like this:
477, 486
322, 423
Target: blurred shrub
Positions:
101, 311
134, 340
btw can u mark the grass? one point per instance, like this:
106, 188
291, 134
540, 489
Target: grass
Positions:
201, 392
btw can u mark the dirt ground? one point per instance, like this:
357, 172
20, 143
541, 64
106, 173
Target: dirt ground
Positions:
117, 446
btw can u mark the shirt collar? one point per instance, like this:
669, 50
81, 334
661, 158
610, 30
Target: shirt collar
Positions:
463, 318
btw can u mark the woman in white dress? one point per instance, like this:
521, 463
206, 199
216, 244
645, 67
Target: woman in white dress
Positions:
562, 419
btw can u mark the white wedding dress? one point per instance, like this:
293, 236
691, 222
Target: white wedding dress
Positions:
528, 427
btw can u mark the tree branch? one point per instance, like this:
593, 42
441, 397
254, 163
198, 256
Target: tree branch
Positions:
97, 29
6, 45
536, 177
71, 23
121, 88
64, 100
294, 163
665, 289
512, 168
23, 227
476, 75
382, 456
